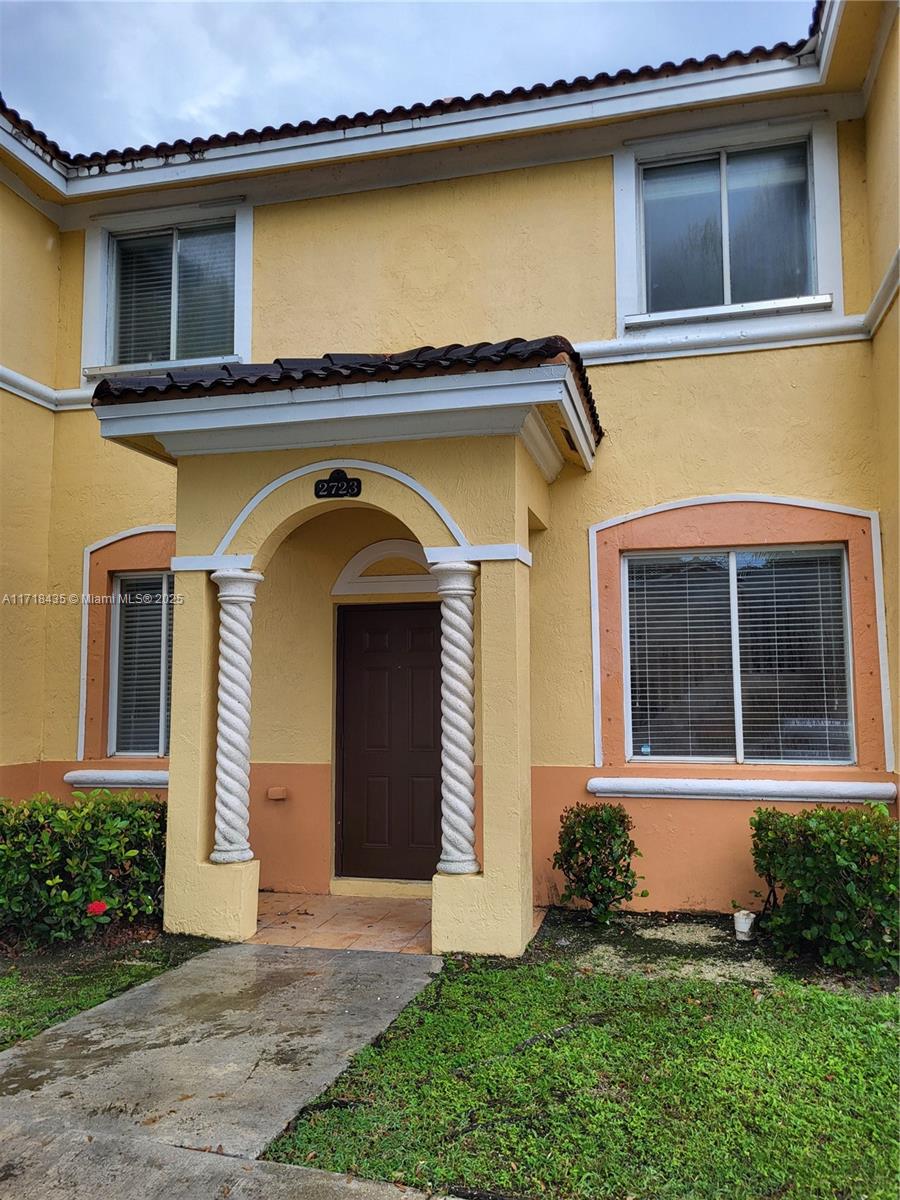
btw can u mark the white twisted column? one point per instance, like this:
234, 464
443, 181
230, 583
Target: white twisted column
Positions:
456, 588
237, 592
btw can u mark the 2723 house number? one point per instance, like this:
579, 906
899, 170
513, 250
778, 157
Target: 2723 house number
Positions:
338, 486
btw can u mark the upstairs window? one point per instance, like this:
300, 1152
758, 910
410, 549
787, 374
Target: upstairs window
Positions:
739, 655
730, 227
141, 675
174, 294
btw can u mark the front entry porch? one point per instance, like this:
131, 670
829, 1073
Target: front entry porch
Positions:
344, 923
271, 530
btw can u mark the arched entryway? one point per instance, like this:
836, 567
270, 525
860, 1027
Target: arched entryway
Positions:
345, 747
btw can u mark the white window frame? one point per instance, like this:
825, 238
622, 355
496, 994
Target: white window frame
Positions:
738, 758
114, 631
632, 318
98, 340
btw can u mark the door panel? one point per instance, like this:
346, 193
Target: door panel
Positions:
389, 741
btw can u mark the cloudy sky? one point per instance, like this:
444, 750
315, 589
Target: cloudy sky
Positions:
97, 74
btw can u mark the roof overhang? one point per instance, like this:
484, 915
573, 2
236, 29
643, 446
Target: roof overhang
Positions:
542, 405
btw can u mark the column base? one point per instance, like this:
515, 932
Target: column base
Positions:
231, 856
458, 866
212, 900
474, 914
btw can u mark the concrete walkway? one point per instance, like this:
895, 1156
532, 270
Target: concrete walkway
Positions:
216, 1056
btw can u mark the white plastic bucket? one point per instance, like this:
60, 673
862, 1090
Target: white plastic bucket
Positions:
743, 924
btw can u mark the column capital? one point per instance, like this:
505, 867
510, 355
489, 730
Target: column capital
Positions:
236, 583
455, 578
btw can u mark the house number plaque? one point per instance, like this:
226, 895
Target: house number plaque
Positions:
338, 486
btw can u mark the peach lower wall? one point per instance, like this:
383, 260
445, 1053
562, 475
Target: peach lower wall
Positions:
695, 853
18, 781
294, 838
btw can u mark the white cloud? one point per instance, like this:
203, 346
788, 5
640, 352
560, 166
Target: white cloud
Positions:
99, 73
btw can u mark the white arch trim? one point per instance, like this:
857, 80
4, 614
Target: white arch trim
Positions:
353, 464
352, 581
85, 610
870, 515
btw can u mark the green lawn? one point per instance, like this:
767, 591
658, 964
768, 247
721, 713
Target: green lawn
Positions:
549, 1079
41, 989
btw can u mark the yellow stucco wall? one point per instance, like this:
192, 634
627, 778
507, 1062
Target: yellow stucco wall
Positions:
293, 623
71, 295
854, 216
883, 160
885, 357
794, 422
26, 461
98, 489
515, 254
29, 288
62, 486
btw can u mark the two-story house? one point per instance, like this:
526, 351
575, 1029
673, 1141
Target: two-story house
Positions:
377, 487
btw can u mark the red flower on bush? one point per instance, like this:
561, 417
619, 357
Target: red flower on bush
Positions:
97, 908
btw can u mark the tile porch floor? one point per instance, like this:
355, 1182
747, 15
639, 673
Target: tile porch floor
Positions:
347, 922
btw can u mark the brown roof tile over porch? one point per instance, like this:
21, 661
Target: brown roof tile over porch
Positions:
331, 369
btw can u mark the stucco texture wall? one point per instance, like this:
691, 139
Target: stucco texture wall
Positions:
29, 288
794, 422
99, 489
883, 159
464, 260
885, 358
62, 488
26, 458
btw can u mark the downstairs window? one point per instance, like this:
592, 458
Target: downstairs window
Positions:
141, 665
738, 655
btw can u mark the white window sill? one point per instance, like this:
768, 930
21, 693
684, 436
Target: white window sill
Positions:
158, 368
803, 791
729, 312
109, 778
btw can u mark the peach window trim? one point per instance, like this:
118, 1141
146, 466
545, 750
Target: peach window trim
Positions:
735, 520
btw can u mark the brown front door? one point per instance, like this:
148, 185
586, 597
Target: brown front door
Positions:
388, 740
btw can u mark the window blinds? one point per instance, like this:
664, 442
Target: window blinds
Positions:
142, 676
774, 687
680, 652
144, 301
793, 653
175, 294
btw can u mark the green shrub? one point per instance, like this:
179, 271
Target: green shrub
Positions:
837, 872
102, 853
595, 853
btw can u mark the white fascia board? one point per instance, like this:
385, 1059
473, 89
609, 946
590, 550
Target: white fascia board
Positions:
346, 432
35, 160
548, 113
808, 791
577, 421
